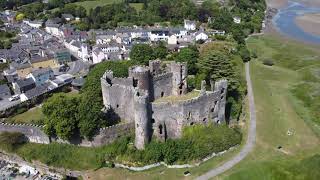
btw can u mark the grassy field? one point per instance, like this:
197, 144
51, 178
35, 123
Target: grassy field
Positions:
33, 116
93, 4
283, 119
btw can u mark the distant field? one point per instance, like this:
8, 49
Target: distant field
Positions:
93, 4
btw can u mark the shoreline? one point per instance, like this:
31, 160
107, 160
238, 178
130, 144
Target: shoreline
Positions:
272, 30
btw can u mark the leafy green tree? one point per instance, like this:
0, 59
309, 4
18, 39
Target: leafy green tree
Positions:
89, 115
189, 55
160, 51
142, 53
216, 65
223, 20
60, 113
244, 53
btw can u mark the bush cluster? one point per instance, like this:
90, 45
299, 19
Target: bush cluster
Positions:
197, 142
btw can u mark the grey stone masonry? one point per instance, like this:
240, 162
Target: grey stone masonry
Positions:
133, 100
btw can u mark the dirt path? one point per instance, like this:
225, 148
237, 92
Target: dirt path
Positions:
250, 140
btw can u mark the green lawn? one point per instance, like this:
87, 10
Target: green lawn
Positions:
33, 116
278, 110
93, 4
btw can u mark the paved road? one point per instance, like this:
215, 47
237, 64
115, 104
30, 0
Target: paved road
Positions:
250, 140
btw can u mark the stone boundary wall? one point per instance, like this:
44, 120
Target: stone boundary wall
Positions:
34, 133
177, 166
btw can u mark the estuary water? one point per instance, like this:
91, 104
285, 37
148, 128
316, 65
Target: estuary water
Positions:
284, 21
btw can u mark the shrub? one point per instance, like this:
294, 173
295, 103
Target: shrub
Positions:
220, 37
268, 62
11, 140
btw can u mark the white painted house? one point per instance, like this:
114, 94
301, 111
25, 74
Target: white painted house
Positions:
34, 24
190, 25
53, 29
201, 35
172, 40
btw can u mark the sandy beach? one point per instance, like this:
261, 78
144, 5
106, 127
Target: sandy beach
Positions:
310, 23
277, 3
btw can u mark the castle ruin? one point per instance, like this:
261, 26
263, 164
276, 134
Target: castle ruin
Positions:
157, 101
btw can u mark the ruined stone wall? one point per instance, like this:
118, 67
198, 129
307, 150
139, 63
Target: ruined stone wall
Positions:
162, 85
34, 133
168, 119
119, 99
171, 117
109, 134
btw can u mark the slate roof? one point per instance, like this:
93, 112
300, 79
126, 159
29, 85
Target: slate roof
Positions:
24, 82
4, 89
37, 91
67, 16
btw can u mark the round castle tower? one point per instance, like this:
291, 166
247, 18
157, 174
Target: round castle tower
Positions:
142, 124
141, 77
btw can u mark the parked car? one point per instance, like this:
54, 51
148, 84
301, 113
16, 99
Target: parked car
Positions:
14, 98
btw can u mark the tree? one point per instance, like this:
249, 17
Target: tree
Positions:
244, 53
20, 17
89, 115
160, 51
60, 113
216, 65
189, 55
141, 53
223, 20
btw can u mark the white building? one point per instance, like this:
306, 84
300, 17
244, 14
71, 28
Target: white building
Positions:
34, 24
83, 53
53, 29
159, 35
172, 40
237, 20
201, 35
190, 25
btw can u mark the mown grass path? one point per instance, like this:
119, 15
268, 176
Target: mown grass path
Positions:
247, 148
